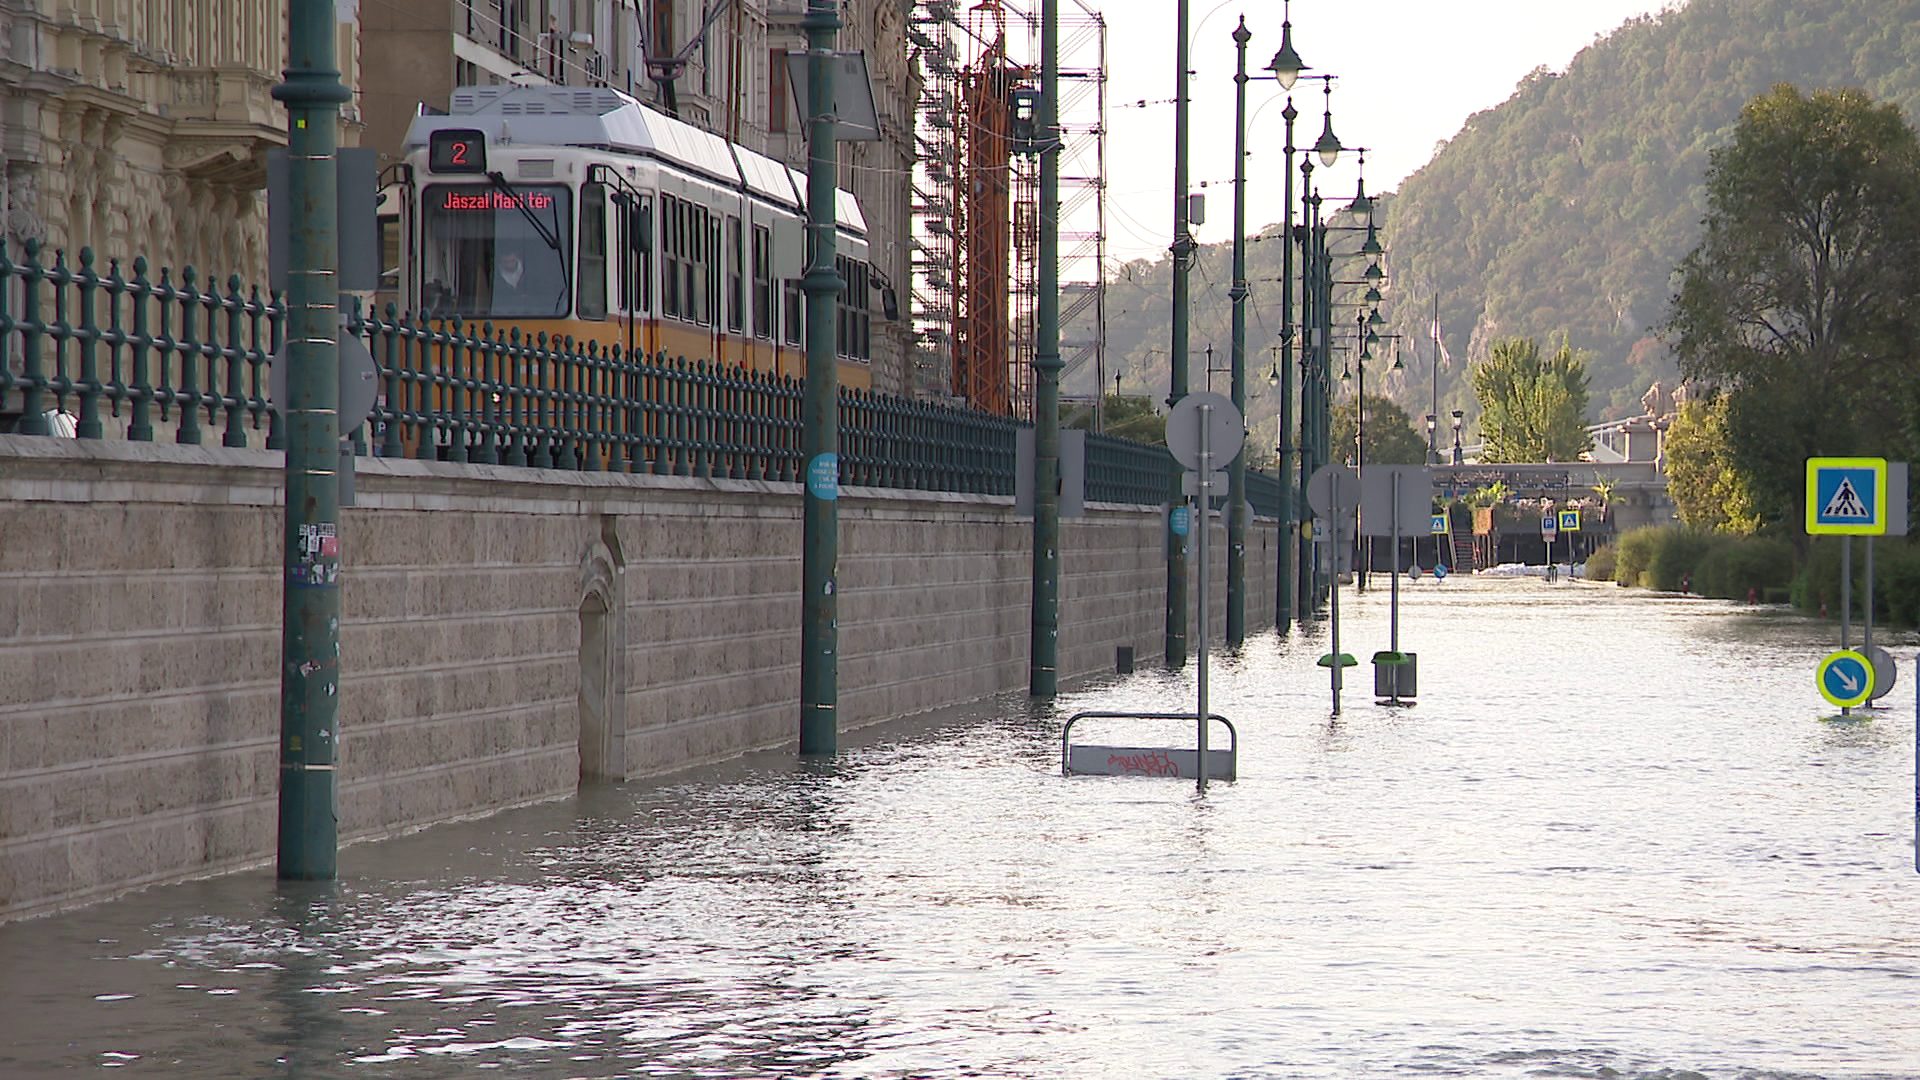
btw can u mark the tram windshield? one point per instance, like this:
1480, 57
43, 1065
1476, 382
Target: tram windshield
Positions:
492, 252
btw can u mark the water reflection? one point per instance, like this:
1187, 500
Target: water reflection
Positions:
1615, 838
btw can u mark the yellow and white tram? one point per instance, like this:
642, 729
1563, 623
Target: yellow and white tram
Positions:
582, 212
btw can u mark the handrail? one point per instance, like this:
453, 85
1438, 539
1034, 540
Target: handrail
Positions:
1066, 734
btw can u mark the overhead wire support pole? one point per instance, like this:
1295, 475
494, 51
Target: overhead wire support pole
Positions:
1182, 252
1043, 678
1283, 571
820, 602
1309, 357
310, 591
1237, 469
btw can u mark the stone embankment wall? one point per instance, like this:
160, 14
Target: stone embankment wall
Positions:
505, 632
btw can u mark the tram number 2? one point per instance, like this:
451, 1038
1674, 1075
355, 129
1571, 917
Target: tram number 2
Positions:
457, 150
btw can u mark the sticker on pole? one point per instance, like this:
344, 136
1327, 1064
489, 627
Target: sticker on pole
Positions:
1846, 678
1845, 496
823, 477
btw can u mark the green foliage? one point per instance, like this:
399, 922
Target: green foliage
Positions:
1896, 576
1799, 299
1390, 438
1126, 418
1714, 564
1733, 567
1600, 563
1707, 488
1532, 409
1633, 552
1491, 495
1568, 206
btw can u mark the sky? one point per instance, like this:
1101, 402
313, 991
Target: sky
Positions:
1408, 74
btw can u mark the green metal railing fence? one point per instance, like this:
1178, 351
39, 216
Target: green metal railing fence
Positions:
135, 358
145, 351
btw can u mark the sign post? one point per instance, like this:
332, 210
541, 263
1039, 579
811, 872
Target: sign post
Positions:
1392, 497
1334, 493
1204, 431
1849, 497
1569, 524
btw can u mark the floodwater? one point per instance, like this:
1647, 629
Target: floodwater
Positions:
1620, 836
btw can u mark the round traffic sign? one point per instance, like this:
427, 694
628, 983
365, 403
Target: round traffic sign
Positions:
1334, 492
359, 381
1846, 678
1225, 430
1885, 672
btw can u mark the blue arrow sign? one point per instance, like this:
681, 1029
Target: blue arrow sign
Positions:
1846, 678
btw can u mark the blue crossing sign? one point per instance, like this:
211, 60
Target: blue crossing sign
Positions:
1439, 526
1569, 521
1846, 678
1846, 496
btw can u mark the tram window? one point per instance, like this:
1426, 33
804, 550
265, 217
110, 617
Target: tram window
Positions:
711, 270
853, 322
490, 253
593, 251
795, 310
670, 216
762, 282
736, 278
636, 246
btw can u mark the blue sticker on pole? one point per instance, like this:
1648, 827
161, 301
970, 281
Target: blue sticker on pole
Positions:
1179, 521
823, 477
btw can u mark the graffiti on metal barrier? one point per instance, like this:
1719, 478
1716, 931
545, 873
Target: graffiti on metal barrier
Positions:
1150, 763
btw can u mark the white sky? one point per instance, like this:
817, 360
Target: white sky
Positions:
1409, 73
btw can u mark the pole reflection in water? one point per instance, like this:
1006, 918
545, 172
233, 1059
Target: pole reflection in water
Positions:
1617, 837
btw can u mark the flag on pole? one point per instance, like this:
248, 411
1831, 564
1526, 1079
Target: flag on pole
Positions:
1440, 346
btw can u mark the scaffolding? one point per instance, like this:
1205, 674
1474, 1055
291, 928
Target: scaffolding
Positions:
976, 205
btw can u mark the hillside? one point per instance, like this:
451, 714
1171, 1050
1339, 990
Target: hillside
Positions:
1567, 206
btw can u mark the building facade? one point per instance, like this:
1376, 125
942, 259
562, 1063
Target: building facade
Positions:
141, 127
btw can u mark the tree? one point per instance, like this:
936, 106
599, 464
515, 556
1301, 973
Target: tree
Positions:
1391, 439
1532, 409
1800, 300
1126, 418
1706, 487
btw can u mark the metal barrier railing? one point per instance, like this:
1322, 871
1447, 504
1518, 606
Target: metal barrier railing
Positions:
105, 355
1090, 760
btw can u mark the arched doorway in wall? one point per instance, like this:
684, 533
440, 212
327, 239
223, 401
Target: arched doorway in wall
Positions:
597, 758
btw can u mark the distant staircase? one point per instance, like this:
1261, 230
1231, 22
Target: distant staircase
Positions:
1463, 561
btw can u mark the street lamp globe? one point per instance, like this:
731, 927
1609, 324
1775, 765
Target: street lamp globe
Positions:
1286, 65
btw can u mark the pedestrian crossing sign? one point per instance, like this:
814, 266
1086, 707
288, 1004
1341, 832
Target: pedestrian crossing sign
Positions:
1569, 521
1439, 525
1846, 496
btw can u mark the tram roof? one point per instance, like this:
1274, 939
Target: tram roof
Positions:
601, 117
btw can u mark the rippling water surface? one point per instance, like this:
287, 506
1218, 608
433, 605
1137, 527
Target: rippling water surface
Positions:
1618, 837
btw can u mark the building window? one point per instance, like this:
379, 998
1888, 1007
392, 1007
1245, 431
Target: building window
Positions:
777, 91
